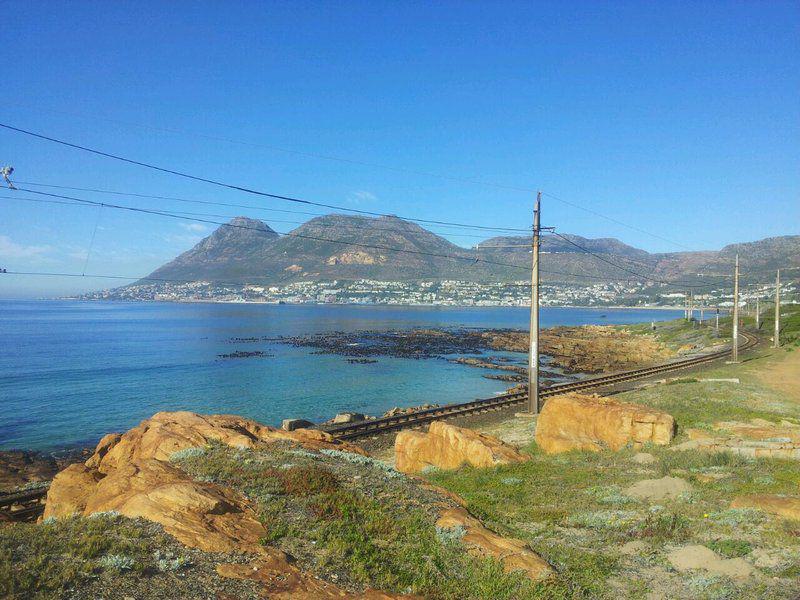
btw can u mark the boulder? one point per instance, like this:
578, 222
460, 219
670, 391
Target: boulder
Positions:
582, 422
292, 424
348, 417
787, 507
449, 447
512, 553
131, 474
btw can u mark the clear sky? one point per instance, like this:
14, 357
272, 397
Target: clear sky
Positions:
678, 118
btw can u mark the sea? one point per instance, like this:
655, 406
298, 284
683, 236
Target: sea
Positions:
72, 371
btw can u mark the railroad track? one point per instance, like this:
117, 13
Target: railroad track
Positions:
373, 427
28, 505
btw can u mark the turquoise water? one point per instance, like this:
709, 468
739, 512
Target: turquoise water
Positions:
72, 371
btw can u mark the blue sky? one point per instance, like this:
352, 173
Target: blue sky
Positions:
678, 118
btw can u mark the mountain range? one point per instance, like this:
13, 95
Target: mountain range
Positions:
388, 248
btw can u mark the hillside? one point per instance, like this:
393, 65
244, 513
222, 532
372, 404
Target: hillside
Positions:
346, 247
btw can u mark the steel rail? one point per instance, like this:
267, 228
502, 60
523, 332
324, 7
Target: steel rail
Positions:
372, 427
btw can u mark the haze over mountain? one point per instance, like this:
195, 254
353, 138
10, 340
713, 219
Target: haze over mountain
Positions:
346, 247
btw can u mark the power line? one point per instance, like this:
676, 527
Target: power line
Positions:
286, 234
194, 214
330, 157
474, 260
239, 187
623, 268
233, 205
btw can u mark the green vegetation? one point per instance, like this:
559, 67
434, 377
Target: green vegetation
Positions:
42, 561
573, 508
684, 335
357, 522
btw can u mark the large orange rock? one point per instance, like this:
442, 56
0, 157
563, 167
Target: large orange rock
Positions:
449, 447
512, 553
787, 507
582, 422
131, 474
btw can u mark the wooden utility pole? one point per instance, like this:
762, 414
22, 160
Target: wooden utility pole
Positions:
777, 342
702, 309
735, 349
533, 354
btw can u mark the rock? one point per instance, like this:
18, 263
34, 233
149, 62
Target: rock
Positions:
292, 424
643, 458
283, 580
658, 489
787, 507
512, 553
448, 447
757, 439
348, 417
131, 474
18, 467
581, 422
698, 557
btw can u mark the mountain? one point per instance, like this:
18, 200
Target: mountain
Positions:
388, 248
230, 252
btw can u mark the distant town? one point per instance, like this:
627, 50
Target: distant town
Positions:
438, 293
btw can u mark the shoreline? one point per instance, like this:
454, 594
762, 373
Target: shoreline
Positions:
350, 304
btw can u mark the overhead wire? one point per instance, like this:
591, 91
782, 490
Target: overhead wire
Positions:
236, 205
241, 188
329, 157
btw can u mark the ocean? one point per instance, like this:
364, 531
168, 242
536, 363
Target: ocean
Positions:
73, 371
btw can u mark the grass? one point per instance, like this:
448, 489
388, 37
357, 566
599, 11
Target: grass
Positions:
43, 561
572, 508
358, 523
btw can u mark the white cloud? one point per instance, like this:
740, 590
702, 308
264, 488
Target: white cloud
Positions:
194, 227
10, 249
362, 196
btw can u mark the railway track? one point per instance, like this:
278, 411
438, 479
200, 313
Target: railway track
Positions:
373, 427
28, 505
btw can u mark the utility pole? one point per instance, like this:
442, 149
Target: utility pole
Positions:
735, 349
777, 343
533, 355
702, 309
758, 316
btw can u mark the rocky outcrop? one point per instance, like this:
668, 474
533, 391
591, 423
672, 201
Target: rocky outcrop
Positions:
445, 446
755, 439
18, 467
787, 507
131, 474
582, 422
512, 553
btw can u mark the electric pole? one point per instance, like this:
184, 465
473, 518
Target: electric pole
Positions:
777, 343
735, 349
702, 309
757, 314
533, 355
